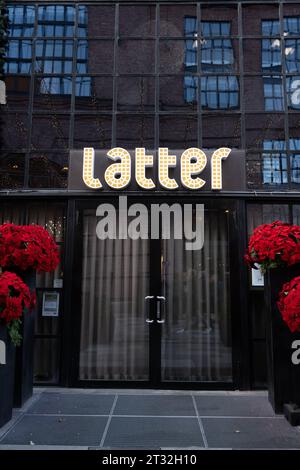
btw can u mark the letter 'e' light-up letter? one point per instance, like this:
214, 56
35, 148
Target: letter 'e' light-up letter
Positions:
164, 162
189, 168
118, 175
88, 169
216, 166
142, 161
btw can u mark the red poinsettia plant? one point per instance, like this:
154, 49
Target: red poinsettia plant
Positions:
15, 297
289, 304
27, 247
273, 245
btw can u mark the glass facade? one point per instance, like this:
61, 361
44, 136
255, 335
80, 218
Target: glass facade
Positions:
116, 75
155, 74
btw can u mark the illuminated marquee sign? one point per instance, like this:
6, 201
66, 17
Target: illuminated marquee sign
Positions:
165, 169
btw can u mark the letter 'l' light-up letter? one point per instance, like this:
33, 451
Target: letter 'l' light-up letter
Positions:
118, 175
216, 166
142, 161
166, 161
189, 168
88, 169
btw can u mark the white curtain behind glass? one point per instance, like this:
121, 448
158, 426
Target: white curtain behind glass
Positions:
115, 281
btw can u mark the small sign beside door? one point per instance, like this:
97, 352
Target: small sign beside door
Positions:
257, 278
50, 304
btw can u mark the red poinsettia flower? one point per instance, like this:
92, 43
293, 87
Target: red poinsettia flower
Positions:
289, 304
273, 245
15, 297
27, 247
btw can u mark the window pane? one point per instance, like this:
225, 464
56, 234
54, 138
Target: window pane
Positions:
92, 131
219, 92
136, 56
221, 131
261, 128
18, 57
141, 23
94, 93
52, 94
293, 92
275, 168
135, 131
177, 20
17, 92
14, 131
50, 132
12, 167
136, 94
260, 18
96, 20
54, 56
56, 20
48, 170
178, 93
178, 132
21, 20
219, 20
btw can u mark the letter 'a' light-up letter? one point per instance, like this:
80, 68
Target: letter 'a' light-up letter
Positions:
118, 175
189, 168
142, 161
216, 166
88, 169
166, 161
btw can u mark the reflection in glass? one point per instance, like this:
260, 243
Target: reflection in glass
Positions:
21, 20
293, 91
54, 56
219, 92
48, 170
295, 168
196, 335
115, 280
56, 20
275, 164
12, 170
217, 55
273, 93
18, 56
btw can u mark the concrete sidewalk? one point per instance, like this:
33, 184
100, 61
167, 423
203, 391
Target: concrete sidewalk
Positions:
147, 419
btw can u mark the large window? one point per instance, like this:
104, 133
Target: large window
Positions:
216, 56
151, 74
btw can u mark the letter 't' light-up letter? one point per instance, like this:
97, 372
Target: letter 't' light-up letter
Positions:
189, 168
142, 161
88, 169
166, 161
118, 175
216, 166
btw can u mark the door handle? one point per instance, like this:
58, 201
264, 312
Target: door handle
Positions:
148, 298
159, 318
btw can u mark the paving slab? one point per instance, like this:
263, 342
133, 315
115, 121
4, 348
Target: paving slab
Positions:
251, 433
151, 431
72, 404
159, 405
55, 430
233, 406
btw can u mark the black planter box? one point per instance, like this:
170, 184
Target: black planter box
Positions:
283, 375
7, 375
24, 353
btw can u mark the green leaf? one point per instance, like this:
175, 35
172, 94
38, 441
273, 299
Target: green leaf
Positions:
14, 332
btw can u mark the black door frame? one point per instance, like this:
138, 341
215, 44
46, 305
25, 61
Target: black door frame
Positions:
240, 337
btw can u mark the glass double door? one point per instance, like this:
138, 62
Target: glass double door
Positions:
152, 311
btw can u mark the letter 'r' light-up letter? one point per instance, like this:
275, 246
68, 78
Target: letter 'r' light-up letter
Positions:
189, 168
118, 175
216, 166
142, 161
166, 161
88, 169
